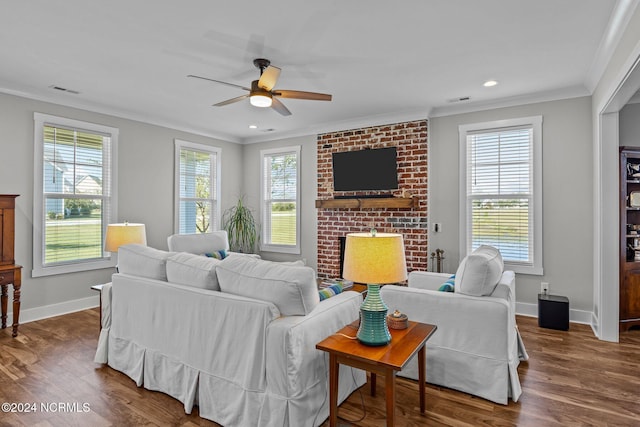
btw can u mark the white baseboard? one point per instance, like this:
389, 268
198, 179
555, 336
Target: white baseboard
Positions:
575, 316
46, 311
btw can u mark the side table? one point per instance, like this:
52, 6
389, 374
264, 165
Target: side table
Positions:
385, 360
11, 274
99, 289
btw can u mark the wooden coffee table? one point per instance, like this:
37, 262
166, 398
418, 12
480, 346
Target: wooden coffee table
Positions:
385, 360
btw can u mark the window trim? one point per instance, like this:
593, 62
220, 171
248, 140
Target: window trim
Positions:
270, 247
38, 268
179, 145
536, 123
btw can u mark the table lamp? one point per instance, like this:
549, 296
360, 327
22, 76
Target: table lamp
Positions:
122, 234
375, 259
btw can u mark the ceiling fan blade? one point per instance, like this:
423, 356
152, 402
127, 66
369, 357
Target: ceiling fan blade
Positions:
269, 77
279, 107
218, 81
231, 101
298, 94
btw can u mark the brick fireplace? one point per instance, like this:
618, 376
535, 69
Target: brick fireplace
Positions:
410, 140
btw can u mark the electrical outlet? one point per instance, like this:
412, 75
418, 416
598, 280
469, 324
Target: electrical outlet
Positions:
544, 288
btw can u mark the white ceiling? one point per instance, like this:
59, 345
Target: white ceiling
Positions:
381, 60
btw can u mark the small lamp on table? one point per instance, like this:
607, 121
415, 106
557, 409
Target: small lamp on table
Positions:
375, 259
123, 234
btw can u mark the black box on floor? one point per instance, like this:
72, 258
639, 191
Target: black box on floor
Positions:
553, 312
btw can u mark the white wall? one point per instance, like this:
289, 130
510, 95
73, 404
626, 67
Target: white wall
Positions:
308, 193
567, 196
630, 125
145, 174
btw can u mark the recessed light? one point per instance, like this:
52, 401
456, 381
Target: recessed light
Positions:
253, 126
490, 83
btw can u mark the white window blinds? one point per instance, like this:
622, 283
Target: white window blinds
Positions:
197, 169
280, 194
73, 196
500, 193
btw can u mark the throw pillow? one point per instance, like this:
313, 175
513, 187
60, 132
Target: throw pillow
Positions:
479, 272
221, 254
330, 291
449, 285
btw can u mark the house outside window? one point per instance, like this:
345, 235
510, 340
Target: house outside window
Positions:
501, 190
74, 194
280, 194
197, 180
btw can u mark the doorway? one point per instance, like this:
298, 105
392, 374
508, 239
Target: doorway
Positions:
607, 141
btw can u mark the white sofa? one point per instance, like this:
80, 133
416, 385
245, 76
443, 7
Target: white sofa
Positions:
477, 347
236, 337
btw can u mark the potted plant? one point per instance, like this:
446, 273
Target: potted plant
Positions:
241, 227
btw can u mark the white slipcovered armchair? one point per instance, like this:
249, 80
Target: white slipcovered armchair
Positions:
199, 243
477, 347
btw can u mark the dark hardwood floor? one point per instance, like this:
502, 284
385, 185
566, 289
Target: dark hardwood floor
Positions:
571, 379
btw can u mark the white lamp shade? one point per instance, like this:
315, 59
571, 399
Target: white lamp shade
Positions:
375, 258
122, 234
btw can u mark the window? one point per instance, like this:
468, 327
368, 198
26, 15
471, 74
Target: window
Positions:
501, 190
197, 188
74, 194
280, 195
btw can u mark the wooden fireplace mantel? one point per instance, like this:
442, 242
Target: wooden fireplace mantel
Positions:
369, 203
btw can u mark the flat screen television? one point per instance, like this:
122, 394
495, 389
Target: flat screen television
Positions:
365, 170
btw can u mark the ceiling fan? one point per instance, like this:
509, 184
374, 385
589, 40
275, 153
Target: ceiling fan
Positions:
262, 92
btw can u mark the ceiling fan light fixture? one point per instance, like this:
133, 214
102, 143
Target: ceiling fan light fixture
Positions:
262, 93
260, 100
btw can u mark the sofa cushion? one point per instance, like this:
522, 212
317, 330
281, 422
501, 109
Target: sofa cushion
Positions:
291, 288
141, 260
241, 254
479, 272
193, 270
299, 263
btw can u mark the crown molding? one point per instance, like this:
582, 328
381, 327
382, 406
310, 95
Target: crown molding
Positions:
618, 21
340, 125
128, 115
471, 107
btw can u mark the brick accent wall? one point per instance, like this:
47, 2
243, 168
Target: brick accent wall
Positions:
410, 140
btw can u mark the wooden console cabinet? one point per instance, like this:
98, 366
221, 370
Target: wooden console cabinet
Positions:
629, 237
10, 273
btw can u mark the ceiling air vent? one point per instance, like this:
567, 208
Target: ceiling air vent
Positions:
460, 99
64, 89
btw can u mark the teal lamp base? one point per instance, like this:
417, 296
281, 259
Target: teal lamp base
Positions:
373, 329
